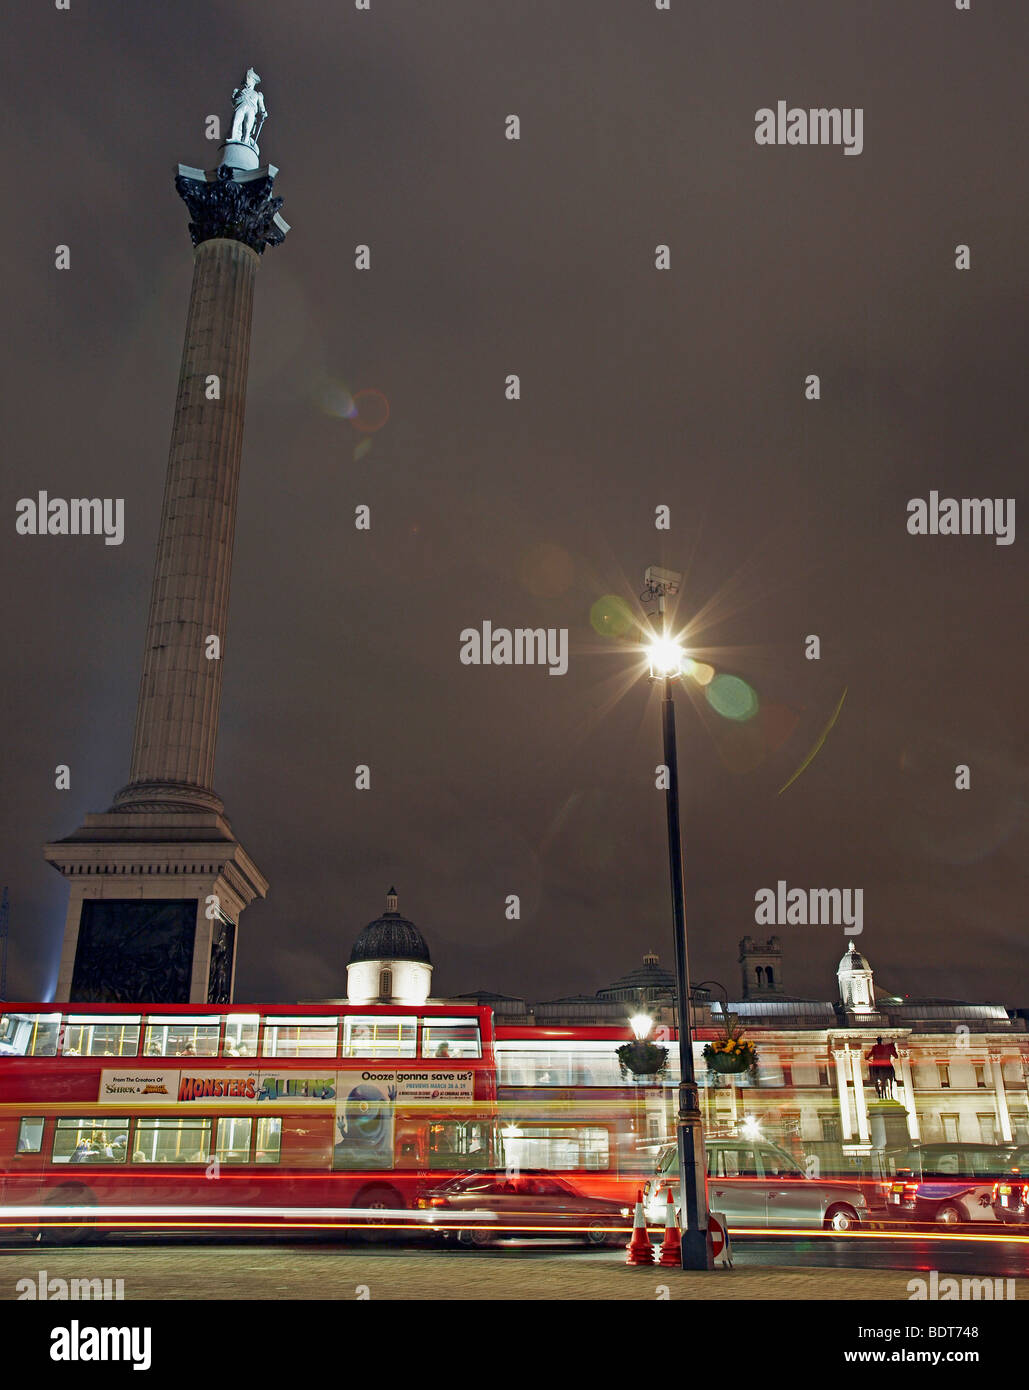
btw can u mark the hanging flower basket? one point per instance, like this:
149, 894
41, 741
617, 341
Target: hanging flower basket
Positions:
731, 1054
642, 1059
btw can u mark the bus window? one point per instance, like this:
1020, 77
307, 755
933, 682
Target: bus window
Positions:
269, 1139
241, 1035
233, 1142
379, 1035
181, 1037
450, 1037
300, 1037
460, 1144
172, 1141
585, 1147
30, 1136
90, 1141
101, 1036
29, 1035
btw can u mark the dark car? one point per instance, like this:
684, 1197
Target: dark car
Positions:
1010, 1197
948, 1183
529, 1203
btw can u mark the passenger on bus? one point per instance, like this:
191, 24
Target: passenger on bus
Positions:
443, 1050
189, 1050
81, 1152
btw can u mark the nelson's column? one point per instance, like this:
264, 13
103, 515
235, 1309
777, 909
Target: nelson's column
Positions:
159, 880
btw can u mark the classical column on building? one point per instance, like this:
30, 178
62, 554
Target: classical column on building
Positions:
159, 880
904, 1057
840, 1057
860, 1104
1003, 1116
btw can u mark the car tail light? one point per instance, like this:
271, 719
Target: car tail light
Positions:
438, 1202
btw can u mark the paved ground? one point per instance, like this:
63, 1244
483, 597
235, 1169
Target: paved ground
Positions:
173, 1272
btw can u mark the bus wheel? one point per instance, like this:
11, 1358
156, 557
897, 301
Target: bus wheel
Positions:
377, 1199
76, 1234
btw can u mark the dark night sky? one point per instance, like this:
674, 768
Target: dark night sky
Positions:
639, 388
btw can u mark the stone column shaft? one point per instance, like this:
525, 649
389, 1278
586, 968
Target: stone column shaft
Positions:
180, 691
839, 1054
859, 1096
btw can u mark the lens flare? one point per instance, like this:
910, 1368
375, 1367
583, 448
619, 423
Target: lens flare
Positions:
732, 698
611, 616
698, 671
371, 410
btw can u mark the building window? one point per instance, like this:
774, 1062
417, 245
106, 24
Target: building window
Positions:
172, 1141
769, 977
830, 1124
385, 984
980, 1076
1020, 1126
951, 1125
987, 1128
943, 1073
90, 1141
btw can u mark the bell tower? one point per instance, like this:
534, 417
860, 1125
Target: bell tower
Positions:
761, 967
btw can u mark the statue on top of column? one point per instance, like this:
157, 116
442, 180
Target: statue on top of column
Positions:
249, 112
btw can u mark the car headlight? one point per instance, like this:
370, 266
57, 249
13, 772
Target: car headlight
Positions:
626, 1211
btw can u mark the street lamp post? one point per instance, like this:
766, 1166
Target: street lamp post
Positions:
666, 665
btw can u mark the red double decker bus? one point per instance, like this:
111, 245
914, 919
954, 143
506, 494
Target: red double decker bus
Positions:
173, 1116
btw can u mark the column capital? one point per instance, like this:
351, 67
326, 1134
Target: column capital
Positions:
234, 203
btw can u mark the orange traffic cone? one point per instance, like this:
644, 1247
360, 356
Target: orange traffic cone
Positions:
641, 1252
671, 1246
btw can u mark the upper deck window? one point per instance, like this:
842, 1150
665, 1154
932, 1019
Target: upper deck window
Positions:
101, 1035
300, 1037
241, 1032
29, 1035
181, 1037
451, 1037
380, 1035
